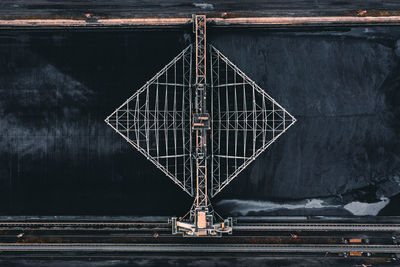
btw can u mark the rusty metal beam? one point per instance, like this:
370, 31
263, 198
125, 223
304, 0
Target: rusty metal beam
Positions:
218, 21
71, 23
301, 21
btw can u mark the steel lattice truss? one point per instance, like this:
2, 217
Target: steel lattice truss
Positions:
157, 120
245, 121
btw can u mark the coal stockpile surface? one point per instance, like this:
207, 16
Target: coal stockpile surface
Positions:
58, 156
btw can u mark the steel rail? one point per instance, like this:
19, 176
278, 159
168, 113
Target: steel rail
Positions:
209, 248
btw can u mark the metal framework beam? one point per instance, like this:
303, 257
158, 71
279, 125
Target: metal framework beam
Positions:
202, 217
201, 108
156, 120
294, 21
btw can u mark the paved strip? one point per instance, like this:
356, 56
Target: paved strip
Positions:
208, 248
174, 22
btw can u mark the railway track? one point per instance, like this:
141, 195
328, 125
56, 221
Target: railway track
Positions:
96, 237
204, 248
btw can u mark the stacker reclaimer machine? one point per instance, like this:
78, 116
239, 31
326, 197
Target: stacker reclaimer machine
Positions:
201, 121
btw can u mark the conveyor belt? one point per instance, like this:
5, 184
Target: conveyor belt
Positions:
85, 225
348, 227
319, 227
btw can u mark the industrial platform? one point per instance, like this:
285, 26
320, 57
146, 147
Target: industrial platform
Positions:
49, 237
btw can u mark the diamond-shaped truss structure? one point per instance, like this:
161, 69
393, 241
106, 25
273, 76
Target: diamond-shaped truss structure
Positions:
188, 138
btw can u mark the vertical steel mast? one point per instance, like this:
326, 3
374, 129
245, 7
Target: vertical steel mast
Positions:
201, 221
201, 125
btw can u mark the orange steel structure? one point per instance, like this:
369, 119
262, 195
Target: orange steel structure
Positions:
202, 217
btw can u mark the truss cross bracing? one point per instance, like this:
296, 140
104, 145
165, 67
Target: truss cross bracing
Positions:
201, 122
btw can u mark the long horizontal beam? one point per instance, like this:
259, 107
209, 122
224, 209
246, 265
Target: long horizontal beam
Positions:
179, 22
346, 227
77, 23
304, 21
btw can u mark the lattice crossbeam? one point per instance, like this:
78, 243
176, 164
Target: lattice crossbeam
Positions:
156, 120
245, 120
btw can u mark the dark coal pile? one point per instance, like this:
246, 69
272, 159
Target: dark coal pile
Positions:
57, 155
